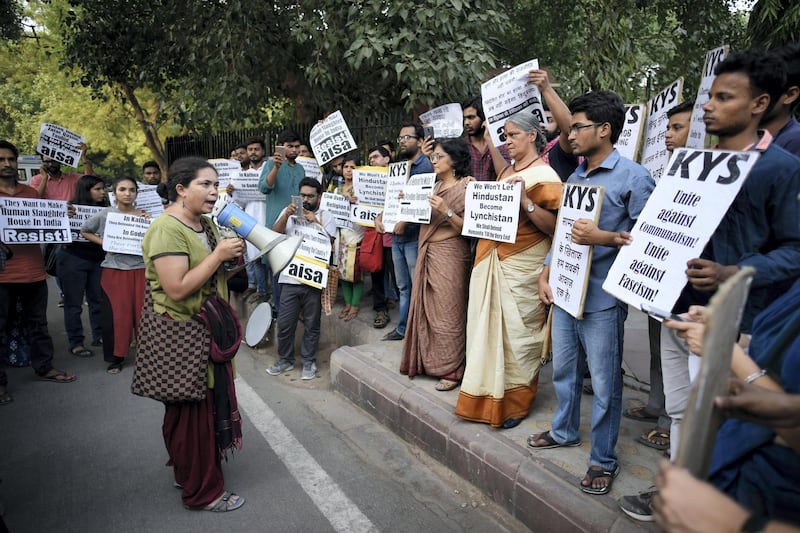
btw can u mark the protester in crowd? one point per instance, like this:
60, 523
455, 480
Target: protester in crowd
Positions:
596, 339
760, 228
79, 265
487, 160
23, 278
551, 129
296, 298
405, 235
151, 173
304, 151
679, 120
348, 241
122, 279
53, 184
180, 264
239, 153
384, 286
505, 319
389, 145
435, 343
781, 121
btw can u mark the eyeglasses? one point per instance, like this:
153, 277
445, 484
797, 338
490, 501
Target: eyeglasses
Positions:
436, 157
404, 138
577, 127
308, 196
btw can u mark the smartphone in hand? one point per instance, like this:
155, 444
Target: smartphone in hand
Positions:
660, 314
428, 132
281, 150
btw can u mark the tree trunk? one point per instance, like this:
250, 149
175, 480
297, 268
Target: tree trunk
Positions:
152, 141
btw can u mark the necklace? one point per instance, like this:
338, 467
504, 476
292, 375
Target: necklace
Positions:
513, 167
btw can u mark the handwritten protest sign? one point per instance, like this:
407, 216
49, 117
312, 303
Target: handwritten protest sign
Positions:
510, 93
309, 265
370, 189
398, 176
226, 169
414, 206
654, 151
82, 214
60, 143
570, 263
123, 233
245, 187
147, 198
697, 128
331, 138
338, 206
310, 167
30, 221
491, 210
680, 216
447, 121
630, 139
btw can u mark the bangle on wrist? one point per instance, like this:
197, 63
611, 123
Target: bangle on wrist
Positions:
755, 375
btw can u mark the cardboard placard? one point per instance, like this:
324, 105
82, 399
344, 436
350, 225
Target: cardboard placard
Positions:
331, 138
123, 233
697, 128
60, 143
654, 151
34, 221
510, 93
491, 210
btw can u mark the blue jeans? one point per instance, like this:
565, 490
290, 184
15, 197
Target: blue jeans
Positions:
404, 257
257, 276
80, 276
595, 340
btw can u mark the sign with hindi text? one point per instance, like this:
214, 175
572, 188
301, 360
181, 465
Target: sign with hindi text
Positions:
447, 121
395, 181
123, 233
697, 128
491, 210
34, 221
654, 151
331, 138
414, 205
510, 93
60, 143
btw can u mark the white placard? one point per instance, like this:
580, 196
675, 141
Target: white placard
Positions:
631, 137
697, 128
32, 221
398, 176
331, 138
415, 206
369, 184
245, 187
654, 150
570, 263
338, 206
82, 214
510, 93
147, 199
310, 167
227, 170
309, 265
679, 218
447, 121
60, 143
491, 210
123, 233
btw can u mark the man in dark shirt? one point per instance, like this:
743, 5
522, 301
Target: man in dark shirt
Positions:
488, 160
781, 122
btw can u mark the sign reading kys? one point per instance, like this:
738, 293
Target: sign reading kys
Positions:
697, 128
395, 182
679, 218
33, 221
309, 265
631, 137
491, 210
654, 151
510, 93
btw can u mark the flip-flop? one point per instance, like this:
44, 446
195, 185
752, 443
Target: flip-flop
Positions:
445, 385
594, 474
551, 442
114, 368
57, 376
81, 351
228, 502
640, 414
654, 433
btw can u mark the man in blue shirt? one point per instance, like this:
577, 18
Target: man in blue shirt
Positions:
780, 122
596, 339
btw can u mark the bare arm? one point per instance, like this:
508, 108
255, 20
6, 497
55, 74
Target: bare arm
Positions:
558, 108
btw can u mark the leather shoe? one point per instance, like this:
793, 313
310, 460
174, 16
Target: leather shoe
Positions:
393, 336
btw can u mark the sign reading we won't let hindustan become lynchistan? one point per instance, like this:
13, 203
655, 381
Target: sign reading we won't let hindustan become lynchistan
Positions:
491, 210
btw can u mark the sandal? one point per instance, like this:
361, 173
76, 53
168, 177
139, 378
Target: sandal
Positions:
80, 351
5, 396
228, 502
345, 311
640, 413
381, 320
352, 314
57, 376
652, 438
551, 442
593, 474
114, 368
446, 385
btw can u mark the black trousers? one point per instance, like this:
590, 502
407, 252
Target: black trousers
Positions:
34, 318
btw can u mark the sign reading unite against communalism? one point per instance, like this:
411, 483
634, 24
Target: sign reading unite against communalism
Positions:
338, 206
510, 93
570, 263
245, 187
123, 233
369, 184
82, 214
310, 167
631, 136
697, 128
309, 265
679, 218
414, 205
447, 121
331, 138
395, 182
226, 169
654, 151
60, 143
491, 210
32, 221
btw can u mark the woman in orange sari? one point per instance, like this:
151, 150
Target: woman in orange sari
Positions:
435, 342
505, 319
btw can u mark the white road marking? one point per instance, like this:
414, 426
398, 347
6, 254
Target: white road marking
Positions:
334, 504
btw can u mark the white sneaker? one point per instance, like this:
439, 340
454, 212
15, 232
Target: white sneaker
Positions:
279, 368
309, 371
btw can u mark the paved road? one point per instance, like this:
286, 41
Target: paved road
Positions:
88, 457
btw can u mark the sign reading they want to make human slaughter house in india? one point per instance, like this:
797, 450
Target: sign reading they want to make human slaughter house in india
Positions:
491, 210
679, 218
33, 221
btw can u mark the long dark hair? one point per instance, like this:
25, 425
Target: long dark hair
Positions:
83, 191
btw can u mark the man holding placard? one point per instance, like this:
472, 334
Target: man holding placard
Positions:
52, 184
596, 339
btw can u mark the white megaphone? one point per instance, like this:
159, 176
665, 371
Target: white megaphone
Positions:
278, 247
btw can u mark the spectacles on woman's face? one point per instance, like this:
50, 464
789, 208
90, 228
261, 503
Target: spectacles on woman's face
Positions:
437, 156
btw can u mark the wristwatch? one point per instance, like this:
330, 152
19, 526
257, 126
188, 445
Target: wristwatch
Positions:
450, 213
531, 207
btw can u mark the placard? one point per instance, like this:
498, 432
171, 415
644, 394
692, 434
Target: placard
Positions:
447, 121
82, 214
310, 167
491, 210
570, 263
226, 169
369, 184
338, 206
415, 206
630, 139
331, 138
510, 93
309, 265
654, 151
679, 218
147, 199
396, 180
123, 233
60, 143
245, 187
33, 221
697, 128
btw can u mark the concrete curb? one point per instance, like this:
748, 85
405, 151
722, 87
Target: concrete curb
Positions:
541, 495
